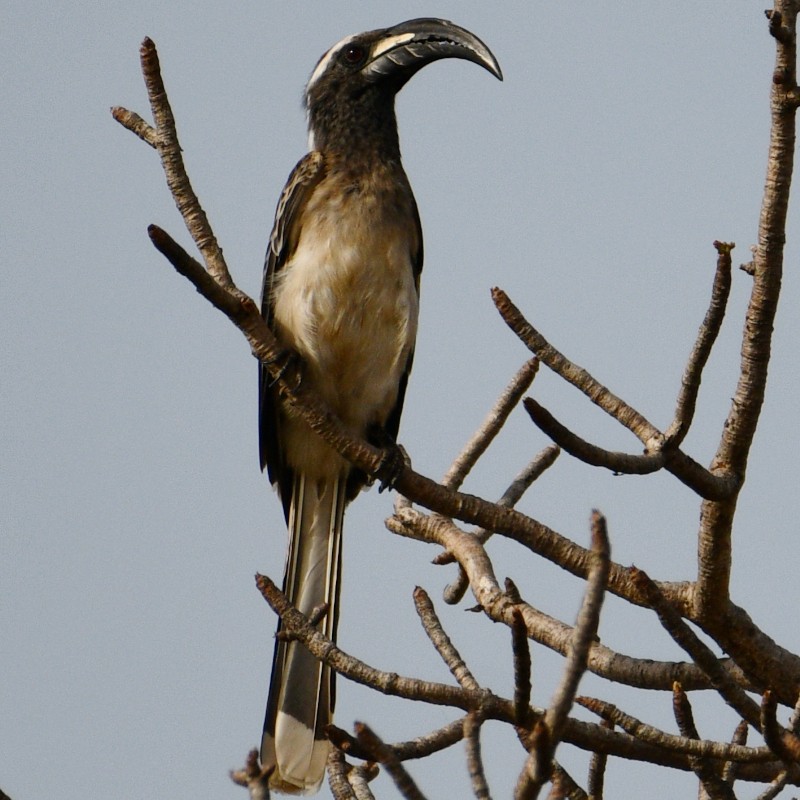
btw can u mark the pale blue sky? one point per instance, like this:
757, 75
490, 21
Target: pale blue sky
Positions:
590, 185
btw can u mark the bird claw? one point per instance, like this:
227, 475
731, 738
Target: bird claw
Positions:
393, 461
289, 364
318, 613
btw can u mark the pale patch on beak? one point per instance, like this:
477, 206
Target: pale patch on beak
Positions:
390, 43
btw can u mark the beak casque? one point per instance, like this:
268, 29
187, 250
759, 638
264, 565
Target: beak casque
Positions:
409, 46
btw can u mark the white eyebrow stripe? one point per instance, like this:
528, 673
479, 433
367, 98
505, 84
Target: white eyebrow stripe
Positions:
326, 60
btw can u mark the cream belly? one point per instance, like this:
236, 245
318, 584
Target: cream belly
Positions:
347, 302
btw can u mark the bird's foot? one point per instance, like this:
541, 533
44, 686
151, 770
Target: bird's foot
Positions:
318, 613
393, 461
290, 368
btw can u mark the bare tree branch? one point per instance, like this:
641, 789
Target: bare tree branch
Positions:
785, 744
687, 470
716, 518
699, 748
134, 123
642, 673
253, 777
584, 632
622, 463
711, 783
756, 662
775, 788
386, 682
584, 735
491, 426
441, 641
433, 742
337, 776
739, 737
597, 770
701, 654
171, 159
544, 460
547, 733
706, 336
615, 407
472, 733
359, 777
538, 765
386, 757
564, 785
522, 668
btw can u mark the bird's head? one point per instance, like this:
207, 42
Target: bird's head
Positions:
350, 95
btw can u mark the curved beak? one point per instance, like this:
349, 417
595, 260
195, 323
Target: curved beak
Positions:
409, 46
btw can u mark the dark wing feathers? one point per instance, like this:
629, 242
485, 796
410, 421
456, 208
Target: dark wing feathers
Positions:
393, 421
285, 233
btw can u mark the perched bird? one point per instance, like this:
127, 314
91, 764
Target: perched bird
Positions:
341, 289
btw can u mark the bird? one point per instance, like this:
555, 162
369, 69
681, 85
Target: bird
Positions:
341, 293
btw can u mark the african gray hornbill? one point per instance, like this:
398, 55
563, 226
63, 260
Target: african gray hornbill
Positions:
341, 290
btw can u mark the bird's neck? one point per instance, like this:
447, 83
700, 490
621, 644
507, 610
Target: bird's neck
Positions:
363, 131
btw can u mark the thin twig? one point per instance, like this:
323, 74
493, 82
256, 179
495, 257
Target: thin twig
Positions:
739, 738
584, 632
547, 733
538, 765
785, 744
421, 747
253, 777
454, 592
682, 711
597, 770
432, 742
701, 654
472, 740
614, 406
441, 641
781, 781
491, 426
384, 755
359, 778
513, 493
775, 787
712, 785
706, 336
621, 463
707, 484
702, 748
337, 776
522, 668
169, 150
134, 123
564, 785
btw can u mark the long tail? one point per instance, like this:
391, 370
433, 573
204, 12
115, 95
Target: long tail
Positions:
301, 692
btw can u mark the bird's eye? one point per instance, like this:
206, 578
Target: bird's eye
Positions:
354, 54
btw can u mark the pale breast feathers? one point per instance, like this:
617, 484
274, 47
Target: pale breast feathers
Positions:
347, 298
